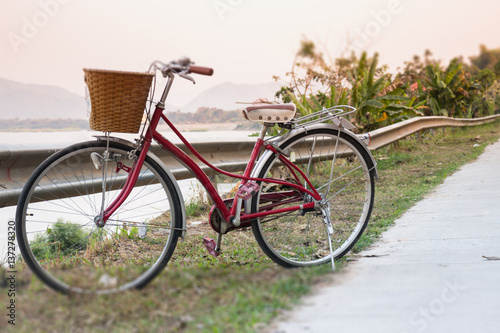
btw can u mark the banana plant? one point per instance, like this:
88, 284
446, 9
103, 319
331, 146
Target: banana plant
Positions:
377, 103
450, 92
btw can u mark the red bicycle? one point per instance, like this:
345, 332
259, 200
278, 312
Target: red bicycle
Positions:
105, 215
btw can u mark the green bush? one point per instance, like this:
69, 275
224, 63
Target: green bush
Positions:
62, 239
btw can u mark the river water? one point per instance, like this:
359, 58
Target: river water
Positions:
41, 140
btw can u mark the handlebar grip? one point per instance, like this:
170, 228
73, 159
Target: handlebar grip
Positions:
201, 70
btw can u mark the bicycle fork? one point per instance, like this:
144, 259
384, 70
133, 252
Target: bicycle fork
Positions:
133, 175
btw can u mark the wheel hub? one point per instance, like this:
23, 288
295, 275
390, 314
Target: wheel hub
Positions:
99, 221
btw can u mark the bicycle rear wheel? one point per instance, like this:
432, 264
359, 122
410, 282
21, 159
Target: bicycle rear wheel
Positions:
342, 172
55, 220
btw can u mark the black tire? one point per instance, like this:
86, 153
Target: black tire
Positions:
62, 244
300, 239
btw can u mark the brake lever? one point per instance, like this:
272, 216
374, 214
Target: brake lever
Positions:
184, 75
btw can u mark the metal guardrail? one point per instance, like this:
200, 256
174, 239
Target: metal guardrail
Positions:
17, 165
392, 133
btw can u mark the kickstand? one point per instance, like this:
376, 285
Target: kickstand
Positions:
219, 240
330, 244
329, 231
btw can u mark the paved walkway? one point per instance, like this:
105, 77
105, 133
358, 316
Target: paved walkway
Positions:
429, 273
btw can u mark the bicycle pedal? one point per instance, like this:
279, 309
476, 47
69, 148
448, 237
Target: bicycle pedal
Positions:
246, 191
211, 246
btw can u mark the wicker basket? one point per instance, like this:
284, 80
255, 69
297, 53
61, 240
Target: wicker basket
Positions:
117, 99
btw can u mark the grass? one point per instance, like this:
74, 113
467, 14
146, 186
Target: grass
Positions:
242, 290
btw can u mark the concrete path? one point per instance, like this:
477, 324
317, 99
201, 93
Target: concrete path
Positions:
429, 273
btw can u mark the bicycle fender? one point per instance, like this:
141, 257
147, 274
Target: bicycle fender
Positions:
167, 171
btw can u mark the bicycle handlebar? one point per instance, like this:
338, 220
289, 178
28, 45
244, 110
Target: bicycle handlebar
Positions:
181, 67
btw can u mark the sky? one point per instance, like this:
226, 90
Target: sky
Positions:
245, 41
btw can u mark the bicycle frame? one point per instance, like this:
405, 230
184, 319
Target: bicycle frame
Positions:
227, 214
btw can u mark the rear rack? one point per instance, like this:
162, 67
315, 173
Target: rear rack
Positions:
333, 113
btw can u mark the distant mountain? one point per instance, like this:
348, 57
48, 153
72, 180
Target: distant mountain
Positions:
19, 100
226, 96
34, 101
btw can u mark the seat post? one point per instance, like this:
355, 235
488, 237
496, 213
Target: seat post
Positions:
263, 131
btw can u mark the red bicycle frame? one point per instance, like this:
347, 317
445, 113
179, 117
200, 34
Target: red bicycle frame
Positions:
227, 214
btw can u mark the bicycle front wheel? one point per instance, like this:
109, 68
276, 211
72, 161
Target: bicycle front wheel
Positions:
342, 172
56, 216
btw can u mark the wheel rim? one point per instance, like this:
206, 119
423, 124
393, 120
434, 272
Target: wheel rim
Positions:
294, 239
66, 247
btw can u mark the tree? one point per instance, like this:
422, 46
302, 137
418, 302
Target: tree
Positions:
487, 59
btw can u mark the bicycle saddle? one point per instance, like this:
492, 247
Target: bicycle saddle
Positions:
270, 113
